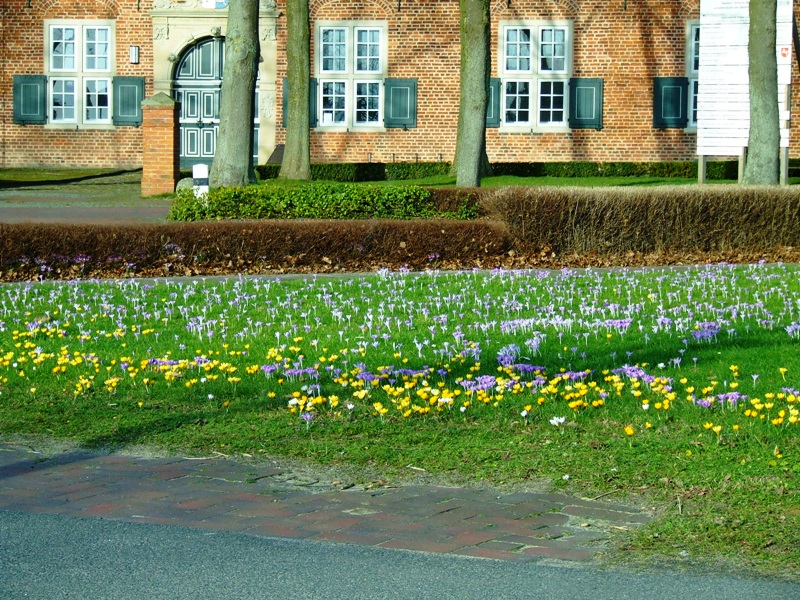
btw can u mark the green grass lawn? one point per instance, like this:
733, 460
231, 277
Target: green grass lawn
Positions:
27, 176
674, 388
510, 180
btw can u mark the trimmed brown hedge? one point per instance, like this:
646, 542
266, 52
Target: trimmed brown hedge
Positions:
518, 228
28, 251
649, 219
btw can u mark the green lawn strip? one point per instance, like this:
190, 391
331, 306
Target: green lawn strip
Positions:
233, 366
511, 180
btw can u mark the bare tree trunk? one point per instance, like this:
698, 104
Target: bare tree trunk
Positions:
470, 158
233, 158
762, 165
297, 152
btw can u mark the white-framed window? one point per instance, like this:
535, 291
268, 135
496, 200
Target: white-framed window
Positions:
518, 102
535, 66
368, 50
333, 47
334, 102
368, 102
693, 70
553, 50
79, 63
350, 62
62, 100
552, 97
97, 100
518, 49
96, 48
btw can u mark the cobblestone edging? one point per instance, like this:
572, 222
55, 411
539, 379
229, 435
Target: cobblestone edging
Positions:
261, 499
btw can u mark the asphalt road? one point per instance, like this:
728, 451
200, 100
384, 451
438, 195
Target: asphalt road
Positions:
53, 557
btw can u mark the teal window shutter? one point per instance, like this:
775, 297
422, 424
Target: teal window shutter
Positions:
585, 103
285, 100
400, 103
128, 96
670, 102
30, 99
493, 107
312, 101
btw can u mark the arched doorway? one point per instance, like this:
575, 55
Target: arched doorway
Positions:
197, 84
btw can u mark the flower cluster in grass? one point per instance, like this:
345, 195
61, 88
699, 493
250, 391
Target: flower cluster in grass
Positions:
637, 349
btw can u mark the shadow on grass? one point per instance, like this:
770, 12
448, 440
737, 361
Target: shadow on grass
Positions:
142, 431
46, 180
751, 349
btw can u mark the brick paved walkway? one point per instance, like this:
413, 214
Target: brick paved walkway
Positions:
222, 494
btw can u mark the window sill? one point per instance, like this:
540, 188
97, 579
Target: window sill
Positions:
529, 129
80, 126
351, 129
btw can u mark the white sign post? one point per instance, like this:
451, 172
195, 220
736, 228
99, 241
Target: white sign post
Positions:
723, 97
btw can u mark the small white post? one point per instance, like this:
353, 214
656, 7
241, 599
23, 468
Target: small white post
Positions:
200, 177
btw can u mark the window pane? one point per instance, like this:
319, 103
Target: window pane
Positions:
333, 102
368, 102
62, 100
553, 50
97, 100
62, 48
551, 102
518, 49
695, 49
368, 50
96, 48
693, 87
334, 49
517, 102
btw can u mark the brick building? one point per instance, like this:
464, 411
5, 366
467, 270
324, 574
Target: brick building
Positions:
594, 80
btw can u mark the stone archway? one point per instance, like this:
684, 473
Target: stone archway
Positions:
196, 85
184, 32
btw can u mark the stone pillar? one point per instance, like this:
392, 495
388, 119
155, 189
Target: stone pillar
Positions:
161, 142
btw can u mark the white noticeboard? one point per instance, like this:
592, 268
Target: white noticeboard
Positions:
723, 97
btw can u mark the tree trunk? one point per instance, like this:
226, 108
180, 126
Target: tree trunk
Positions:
470, 158
763, 151
233, 157
297, 152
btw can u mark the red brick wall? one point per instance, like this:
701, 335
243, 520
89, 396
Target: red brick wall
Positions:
23, 54
626, 43
626, 47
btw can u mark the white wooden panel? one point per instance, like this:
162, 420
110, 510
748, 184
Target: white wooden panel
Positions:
723, 102
192, 146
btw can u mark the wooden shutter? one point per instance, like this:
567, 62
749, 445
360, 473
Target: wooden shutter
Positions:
585, 103
312, 101
493, 108
400, 103
30, 99
670, 102
128, 96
